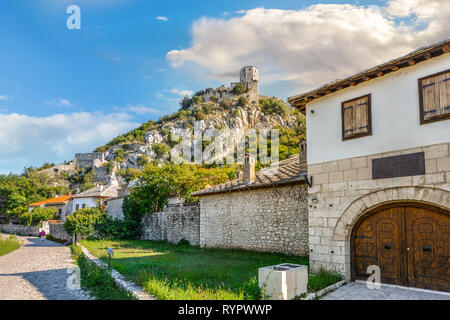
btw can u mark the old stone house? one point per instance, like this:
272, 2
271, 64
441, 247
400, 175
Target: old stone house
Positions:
62, 204
94, 197
262, 211
381, 171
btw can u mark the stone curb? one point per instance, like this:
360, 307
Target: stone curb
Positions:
135, 290
322, 292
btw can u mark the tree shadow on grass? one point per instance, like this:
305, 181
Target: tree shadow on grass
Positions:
232, 272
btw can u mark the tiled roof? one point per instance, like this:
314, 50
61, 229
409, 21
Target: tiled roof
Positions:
99, 192
288, 171
57, 200
412, 58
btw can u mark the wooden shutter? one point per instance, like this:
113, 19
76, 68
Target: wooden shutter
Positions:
349, 118
430, 92
362, 115
444, 93
356, 118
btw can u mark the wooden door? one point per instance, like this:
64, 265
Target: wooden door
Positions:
378, 241
410, 243
428, 249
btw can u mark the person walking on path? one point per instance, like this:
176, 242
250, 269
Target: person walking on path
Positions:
42, 234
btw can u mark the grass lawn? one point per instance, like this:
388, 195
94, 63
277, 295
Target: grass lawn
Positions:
98, 282
8, 245
175, 272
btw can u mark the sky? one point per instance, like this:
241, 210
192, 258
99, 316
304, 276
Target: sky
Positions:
64, 91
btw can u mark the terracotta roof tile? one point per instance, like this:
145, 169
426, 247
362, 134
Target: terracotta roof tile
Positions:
57, 200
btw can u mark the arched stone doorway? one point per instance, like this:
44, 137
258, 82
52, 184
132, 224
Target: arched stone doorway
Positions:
342, 231
409, 241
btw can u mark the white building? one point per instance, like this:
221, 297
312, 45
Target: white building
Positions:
94, 197
381, 171
61, 204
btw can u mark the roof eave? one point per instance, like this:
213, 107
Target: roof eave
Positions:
299, 101
251, 187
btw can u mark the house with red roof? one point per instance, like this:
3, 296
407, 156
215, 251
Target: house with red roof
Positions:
63, 205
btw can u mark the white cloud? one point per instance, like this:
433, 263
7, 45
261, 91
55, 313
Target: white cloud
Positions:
314, 45
141, 109
59, 102
27, 140
4, 97
162, 18
180, 92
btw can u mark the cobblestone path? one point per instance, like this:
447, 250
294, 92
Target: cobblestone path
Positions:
38, 271
359, 291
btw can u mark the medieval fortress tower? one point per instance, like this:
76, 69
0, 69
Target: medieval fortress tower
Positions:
248, 77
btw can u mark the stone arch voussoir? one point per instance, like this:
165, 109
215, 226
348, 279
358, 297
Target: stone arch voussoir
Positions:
434, 196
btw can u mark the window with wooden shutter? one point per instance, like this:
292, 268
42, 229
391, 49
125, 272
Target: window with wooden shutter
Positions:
434, 97
356, 118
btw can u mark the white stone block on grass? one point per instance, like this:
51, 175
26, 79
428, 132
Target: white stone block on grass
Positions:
283, 281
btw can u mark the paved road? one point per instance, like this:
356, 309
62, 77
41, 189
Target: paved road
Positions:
37, 271
359, 291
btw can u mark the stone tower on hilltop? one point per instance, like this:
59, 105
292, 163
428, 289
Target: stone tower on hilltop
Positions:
249, 77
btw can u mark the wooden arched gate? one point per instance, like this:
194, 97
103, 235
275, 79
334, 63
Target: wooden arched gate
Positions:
410, 242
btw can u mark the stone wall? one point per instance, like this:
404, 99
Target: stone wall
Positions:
344, 190
114, 208
57, 231
266, 219
175, 223
19, 229
87, 160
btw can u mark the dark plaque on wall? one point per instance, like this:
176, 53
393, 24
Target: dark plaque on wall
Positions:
412, 164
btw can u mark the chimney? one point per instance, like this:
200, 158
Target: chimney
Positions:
249, 168
302, 152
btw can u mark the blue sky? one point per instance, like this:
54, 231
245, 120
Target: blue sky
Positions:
65, 91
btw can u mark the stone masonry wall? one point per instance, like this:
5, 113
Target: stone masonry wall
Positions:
344, 190
114, 208
87, 160
19, 229
266, 219
175, 223
57, 231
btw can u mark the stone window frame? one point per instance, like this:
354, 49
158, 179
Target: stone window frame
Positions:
369, 120
421, 106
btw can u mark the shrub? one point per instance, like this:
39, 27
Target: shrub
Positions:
37, 215
239, 89
161, 150
142, 161
242, 101
197, 100
273, 106
118, 229
214, 98
84, 221
119, 154
225, 104
185, 103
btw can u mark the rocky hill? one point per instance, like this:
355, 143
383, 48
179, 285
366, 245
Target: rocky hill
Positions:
153, 140
123, 158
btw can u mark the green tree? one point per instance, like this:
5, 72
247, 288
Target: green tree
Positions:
84, 221
37, 215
